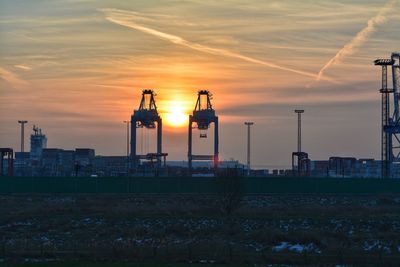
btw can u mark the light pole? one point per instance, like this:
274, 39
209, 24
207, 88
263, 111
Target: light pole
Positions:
127, 144
299, 112
248, 124
22, 122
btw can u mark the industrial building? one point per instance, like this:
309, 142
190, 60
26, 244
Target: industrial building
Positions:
110, 166
339, 167
38, 143
43, 161
57, 162
8, 163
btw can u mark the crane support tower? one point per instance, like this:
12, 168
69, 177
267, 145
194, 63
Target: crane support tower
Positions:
146, 116
203, 115
303, 163
390, 138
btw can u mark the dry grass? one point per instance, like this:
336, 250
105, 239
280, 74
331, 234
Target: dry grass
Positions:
189, 228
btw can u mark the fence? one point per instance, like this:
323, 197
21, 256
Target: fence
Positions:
170, 185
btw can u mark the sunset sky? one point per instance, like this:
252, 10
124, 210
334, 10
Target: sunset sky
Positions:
76, 69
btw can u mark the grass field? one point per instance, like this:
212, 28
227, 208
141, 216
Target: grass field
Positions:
189, 229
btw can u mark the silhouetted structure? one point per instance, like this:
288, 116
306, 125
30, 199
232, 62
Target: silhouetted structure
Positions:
38, 143
9, 153
203, 115
248, 124
390, 140
22, 122
303, 163
146, 116
127, 144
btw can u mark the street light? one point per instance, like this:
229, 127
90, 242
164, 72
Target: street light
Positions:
248, 124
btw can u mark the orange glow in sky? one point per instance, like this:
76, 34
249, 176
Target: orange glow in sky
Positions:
176, 116
77, 69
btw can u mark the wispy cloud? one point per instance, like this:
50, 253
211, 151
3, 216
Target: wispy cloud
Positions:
12, 78
23, 67
126, 19
360, 38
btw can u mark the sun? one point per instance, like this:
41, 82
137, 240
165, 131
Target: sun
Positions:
175, 115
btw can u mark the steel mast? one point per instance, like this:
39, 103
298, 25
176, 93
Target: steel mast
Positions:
390, 122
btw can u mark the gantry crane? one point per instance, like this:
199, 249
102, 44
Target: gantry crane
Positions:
390, 140
203, 115
147, 116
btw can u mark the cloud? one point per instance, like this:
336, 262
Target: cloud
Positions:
360, 38
126, 19
23, 67
12, 78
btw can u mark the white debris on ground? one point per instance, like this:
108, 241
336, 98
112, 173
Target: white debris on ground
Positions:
298, 248
377, 245
207, 261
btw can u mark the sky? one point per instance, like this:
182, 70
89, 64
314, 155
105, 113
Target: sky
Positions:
77, 69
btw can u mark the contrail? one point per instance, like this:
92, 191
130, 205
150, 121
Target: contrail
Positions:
12, 78
123, 18
349, 48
